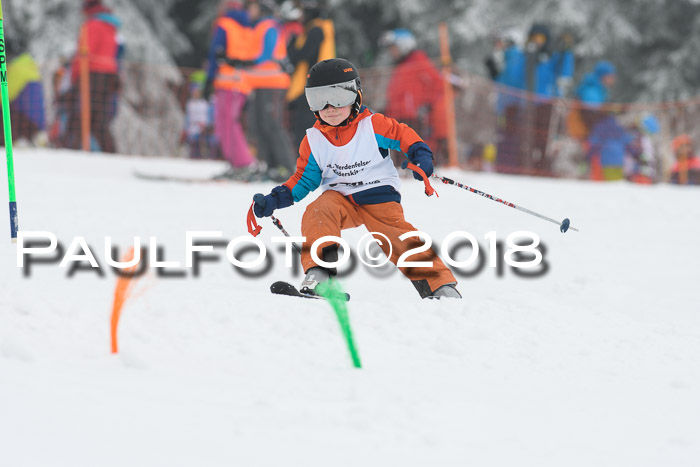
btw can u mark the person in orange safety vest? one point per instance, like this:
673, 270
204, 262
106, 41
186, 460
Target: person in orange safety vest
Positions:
230, 51
269, 82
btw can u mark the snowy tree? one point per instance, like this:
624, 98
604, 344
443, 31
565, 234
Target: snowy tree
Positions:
148, 106
653, 44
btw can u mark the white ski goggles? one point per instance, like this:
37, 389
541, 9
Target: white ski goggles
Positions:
337, 95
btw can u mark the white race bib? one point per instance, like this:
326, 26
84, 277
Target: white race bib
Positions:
355, 166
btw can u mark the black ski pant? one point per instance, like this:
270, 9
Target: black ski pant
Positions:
301, 118
267, 111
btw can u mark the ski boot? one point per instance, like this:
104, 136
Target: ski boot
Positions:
446, 291
314, 276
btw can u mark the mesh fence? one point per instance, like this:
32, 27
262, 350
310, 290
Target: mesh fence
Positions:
150, 110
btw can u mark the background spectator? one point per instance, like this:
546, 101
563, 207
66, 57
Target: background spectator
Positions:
593, 89
26, 96
415, 93
230, 51
686, 168
495, 62
291, 26
524, 134
501, 62
593, 92
505, 68
63, 104
99, 39
199, 131
270, 82
642, 164
316, 43
544, 70
564, 63
610, 142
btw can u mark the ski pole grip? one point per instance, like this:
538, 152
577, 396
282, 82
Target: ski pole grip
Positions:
429, 190
253, 227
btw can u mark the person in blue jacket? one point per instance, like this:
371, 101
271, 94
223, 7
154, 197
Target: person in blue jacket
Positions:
594, 86
504, 67
593, 93
541, 71
610, 141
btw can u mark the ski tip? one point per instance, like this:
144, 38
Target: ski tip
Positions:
285, 288
279, 286
564, 225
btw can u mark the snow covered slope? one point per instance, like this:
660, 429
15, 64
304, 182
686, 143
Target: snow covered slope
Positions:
595, 363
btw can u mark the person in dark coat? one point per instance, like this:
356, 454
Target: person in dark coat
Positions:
315, 44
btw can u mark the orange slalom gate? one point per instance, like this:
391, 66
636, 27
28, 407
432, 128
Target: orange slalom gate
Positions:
121, 294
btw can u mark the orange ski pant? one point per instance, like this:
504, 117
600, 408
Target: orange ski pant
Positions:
333, 212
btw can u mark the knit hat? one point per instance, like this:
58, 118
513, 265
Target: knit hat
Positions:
679, 141
603, 68
90, 7
90, 4
232, 5
403, 39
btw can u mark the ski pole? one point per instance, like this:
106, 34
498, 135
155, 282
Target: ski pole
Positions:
279, 225
8, 133
563, 225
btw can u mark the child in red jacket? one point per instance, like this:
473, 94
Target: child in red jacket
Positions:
686, 168
346, 153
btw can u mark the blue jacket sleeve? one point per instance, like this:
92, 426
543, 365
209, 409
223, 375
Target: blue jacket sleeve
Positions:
307, 176
310, 180
566, 67
514, 72
268, 46
217, 44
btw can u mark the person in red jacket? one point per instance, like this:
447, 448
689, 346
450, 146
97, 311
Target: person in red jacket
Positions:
100, 44
415, 91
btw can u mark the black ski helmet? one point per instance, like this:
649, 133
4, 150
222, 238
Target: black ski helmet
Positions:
336, 71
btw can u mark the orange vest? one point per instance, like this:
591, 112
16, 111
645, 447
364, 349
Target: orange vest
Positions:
239, 46
326, 51
682, 166
268, 74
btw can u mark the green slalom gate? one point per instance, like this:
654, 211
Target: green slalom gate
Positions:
7, 127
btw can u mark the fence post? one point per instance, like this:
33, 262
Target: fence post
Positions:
84, 91
682, 169
449, 96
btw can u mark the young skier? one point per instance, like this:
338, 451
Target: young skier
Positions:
346, 153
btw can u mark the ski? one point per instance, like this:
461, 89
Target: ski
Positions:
285, 288
226, 177
178, 179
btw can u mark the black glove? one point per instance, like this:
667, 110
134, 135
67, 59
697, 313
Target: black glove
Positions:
208, 89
